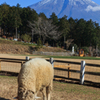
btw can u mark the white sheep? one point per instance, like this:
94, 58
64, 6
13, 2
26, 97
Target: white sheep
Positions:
35, 75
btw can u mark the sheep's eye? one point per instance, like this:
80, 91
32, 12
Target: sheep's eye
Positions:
29, 94
32, 92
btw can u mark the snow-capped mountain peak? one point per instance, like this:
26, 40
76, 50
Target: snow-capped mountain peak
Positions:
44, 1
86, 9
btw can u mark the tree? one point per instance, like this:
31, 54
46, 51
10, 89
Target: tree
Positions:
4, 12
45, 28
80, 36
14, 19
97, 37
43, 16
64, 27
54, 19
90, 34
1, 16
72, 25
68, 43
27, 15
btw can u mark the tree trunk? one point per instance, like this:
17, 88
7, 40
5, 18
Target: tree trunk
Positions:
16, 32
64, 41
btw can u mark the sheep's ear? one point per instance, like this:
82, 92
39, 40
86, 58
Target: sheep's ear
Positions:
15, 98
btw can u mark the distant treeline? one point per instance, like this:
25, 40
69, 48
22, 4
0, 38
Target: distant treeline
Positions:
14, 22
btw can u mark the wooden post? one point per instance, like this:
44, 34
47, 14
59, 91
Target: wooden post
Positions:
69, 73
52, 62
0, 65
22, 63
27, 58
82, 72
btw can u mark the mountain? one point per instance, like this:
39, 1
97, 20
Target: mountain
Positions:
86, 9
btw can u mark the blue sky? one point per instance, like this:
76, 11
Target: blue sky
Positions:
25, 3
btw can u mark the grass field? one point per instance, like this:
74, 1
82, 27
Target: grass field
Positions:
61, 91
74, 57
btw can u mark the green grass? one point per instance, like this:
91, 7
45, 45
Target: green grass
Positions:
63, 57
7, 77
74, 57
4, 41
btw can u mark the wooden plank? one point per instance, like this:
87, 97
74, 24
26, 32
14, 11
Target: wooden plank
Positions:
56, 76
69, 62
0, 65
77, 63
13, 59
93, 73
69, 73
61, 66
92, 65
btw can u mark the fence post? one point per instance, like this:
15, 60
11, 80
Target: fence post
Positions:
0, 65
69, 73
22, 63
82, 72
27, 58
52, 62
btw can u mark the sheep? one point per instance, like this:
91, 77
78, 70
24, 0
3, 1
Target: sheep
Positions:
35, 75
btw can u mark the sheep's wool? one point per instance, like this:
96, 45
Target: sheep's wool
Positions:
35, 75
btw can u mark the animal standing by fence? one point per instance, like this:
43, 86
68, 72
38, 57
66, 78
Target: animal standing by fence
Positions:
80, 72
35, 75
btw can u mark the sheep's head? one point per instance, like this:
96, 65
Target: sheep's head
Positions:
24, 94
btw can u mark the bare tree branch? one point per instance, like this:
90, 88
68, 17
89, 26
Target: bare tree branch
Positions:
45, 28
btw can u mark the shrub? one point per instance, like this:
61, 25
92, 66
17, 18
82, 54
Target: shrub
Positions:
86, 49
26, 37
39, 44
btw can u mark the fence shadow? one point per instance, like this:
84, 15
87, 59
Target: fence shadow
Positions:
3, 99
90, 84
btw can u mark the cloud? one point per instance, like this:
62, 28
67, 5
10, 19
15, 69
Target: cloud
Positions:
90, 8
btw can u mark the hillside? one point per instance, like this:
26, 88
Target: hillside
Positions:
14, 47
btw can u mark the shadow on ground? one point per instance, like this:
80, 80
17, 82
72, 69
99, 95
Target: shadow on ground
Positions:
89, 83
3, 99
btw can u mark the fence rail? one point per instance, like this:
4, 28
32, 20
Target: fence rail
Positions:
11, 65
68, 70
77, 63
82, 71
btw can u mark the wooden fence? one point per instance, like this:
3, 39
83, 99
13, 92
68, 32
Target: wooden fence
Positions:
82, 71
11, 65
65, 68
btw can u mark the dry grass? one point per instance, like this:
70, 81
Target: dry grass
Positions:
61, 91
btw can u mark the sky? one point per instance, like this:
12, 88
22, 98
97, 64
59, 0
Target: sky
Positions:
25, 3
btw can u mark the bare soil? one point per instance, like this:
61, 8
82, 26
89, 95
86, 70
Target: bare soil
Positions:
22, 49
61, 91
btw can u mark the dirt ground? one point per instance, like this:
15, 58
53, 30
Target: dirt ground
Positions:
61, 91
10, 48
